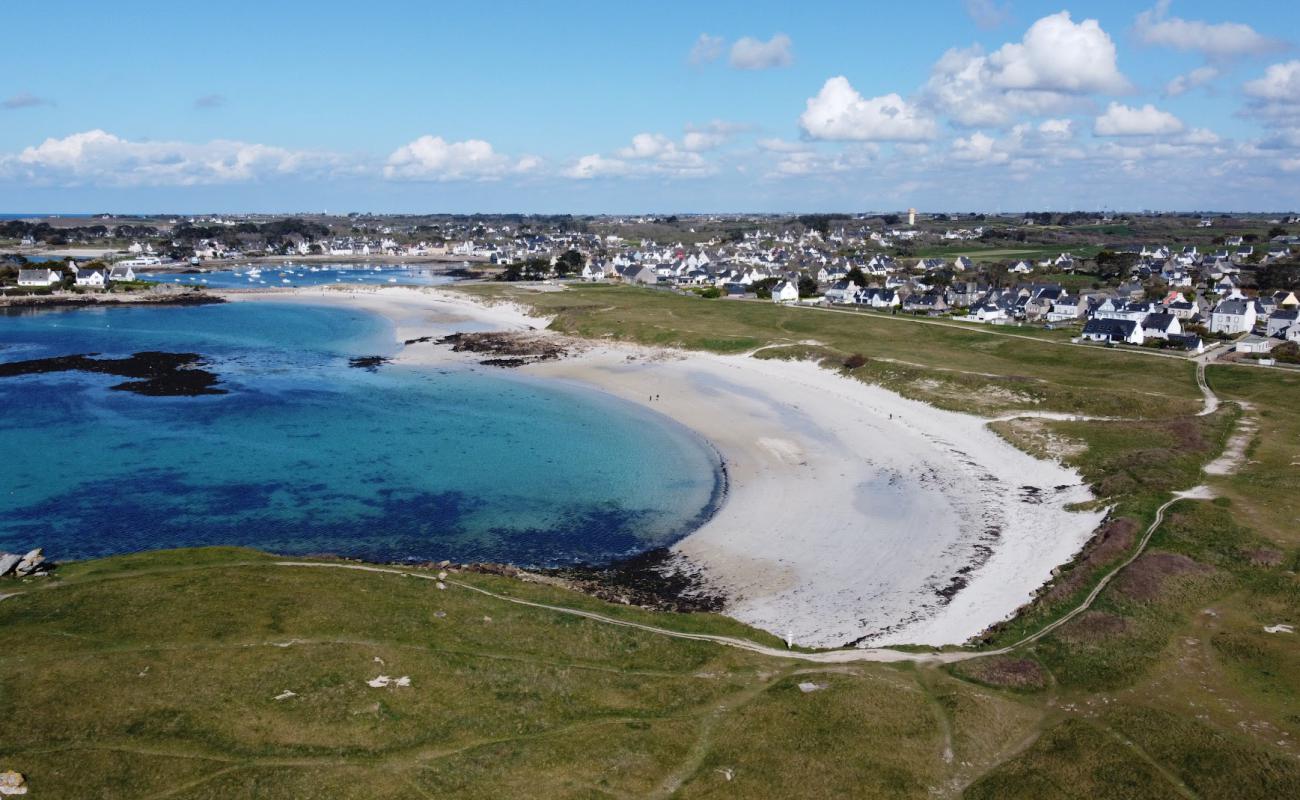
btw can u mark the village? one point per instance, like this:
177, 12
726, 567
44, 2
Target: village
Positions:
1198, 287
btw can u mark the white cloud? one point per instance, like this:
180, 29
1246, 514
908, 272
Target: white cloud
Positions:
1185, 83
647, 145
1056, 63
1280, 82
775, 145
433, 158
809, 162
750, 53
1122, 120
1200, 136
838, 112
1056, 128
978, 147
701, 138
596, 166
100, 158
988, 14
1058, 54
707, 49
1214, 40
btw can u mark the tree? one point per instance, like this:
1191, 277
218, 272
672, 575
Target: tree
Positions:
1276, 231
858, 277
1111, 264
763, 288
570, 262
807, 286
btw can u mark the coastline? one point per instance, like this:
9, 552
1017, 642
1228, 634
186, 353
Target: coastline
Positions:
854, 515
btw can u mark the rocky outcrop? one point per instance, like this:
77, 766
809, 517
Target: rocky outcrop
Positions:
20, 566
12, 783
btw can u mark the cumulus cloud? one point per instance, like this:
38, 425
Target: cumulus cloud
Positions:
701, 138
1056, 63
432, 158
1056, 128
651, 154
647, 145
706, 50
210, 101
1185, 83
1058, 54
1280, 82
1214, 40
1122, 120
100, 158
988, 14
596, 166
978, 147
750, 53
25, 100
839, 112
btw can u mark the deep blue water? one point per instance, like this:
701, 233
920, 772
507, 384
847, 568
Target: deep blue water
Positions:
263, 277
306, 454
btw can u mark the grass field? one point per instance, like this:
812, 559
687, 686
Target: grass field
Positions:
157, 675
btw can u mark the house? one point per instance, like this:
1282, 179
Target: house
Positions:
962, 263
38, 277
1022, 268
1286, 299
638, 273
842, 292
90, 277
1279, 321
1067, 309
878, 298
1160, 326
1113, 330
121, 273
1254, 344
1188, 342
987, 311
1233, 316
931, 302
592, 272
785, 292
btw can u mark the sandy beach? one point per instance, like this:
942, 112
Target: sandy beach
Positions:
854, 515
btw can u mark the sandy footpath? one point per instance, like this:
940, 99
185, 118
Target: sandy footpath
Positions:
854, 514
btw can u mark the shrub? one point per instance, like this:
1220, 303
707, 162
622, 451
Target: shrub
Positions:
855, 361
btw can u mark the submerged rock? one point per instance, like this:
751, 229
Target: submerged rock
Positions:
160, 374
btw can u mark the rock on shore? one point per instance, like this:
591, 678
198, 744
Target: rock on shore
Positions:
20, 566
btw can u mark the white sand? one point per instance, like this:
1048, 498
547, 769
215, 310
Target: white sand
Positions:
850, 508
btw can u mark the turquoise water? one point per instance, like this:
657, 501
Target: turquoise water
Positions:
306, 454
265, 277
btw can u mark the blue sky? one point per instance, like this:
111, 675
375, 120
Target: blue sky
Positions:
631, 107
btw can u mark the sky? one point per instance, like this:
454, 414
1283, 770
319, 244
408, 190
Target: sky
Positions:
638, 107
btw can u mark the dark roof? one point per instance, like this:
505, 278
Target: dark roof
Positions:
1114, 328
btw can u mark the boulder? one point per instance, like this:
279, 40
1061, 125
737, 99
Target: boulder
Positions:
12, 783
30, 562
8, 561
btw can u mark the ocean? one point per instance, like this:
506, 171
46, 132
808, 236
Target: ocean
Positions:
304, 453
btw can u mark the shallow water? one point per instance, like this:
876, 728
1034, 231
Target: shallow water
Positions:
305, 454
268, 276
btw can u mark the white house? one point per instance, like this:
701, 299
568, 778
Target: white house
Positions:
121, 272
842, 292
38, 277
91, 277
1161, 326
1232, 317
785, 292
1113, 330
